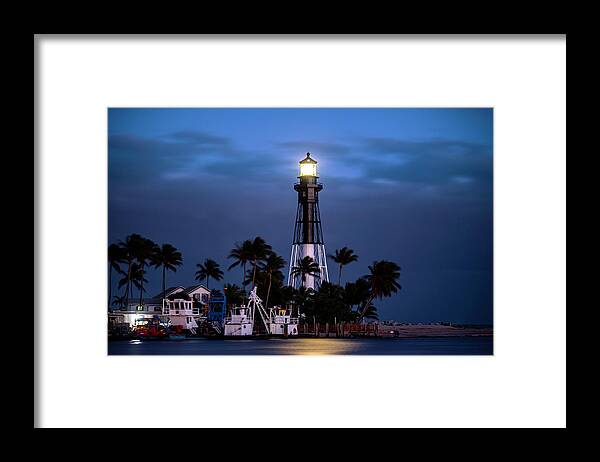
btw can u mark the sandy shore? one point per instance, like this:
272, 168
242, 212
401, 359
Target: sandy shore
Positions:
432, 330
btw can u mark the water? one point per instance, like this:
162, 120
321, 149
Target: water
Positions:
307, 346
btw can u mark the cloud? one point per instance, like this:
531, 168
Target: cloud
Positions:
422, 168
207, 141
319, 148
434, 162
136, 156
198, 137
192, 154
171, 156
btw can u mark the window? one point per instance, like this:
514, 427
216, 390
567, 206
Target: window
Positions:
204, 297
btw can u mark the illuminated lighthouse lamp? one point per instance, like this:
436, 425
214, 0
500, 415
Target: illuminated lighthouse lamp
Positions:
308, 166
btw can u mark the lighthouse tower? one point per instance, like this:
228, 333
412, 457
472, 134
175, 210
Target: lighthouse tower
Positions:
308, 235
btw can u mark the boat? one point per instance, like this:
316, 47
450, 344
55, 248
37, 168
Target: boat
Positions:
249, 321
181, 310
150, 333
150, 329
120, 332
281, 323
177, 333
241, 321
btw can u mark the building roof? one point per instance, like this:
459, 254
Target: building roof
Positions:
308, 159
169, 291
173, 290
178, 296
191, 289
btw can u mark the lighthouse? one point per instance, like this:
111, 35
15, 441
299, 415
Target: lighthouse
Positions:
308, 234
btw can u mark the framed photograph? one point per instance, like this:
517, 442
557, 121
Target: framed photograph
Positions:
301, 218
211, 184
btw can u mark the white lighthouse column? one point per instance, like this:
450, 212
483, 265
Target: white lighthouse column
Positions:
308, 250
321, 259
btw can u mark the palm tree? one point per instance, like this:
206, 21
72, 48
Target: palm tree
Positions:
343, 257
272, 266
382, 282
371, 313
330, 304
133, 278
356, 293
235, 294
118, 301
130, 247
169, 258
209, 269
145, 254
304, 299
241, 253
306, 267
259, 251
287, 294
115, 257
137, 277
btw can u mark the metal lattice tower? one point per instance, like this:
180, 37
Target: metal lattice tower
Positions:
308, 234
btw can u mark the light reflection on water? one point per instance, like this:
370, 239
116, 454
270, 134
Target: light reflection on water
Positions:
319, 346
307, 346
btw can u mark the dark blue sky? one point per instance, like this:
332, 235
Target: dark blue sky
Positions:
409, 185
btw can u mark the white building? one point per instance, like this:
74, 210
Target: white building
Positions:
182, 305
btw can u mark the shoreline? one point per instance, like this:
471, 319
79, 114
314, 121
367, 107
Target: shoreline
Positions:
433, 330
407, 331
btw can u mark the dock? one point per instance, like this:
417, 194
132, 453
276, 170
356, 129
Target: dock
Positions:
351, 330
340, 329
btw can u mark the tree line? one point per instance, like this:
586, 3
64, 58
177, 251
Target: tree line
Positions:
260, 266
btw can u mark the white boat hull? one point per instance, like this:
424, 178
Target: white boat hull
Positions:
283, 329
235, 329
